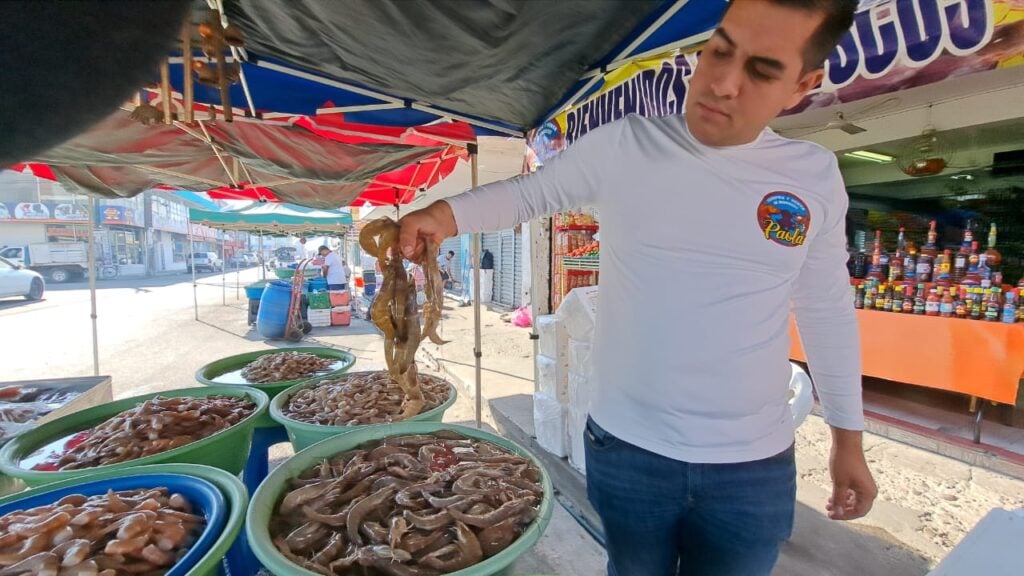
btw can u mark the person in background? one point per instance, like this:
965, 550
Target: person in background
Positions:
444, 264
334, 270
690, 440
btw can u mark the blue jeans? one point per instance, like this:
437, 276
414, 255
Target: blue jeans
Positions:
664, 517
336, 286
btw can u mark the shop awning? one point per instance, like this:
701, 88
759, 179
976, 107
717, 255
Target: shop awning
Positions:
280, 219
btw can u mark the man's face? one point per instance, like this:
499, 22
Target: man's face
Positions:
324, 252
750, 71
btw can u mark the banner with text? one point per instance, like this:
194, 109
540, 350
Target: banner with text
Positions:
893, 45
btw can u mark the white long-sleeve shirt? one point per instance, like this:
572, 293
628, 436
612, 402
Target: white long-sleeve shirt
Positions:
704, 253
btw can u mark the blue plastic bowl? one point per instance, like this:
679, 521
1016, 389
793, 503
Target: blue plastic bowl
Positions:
204, 497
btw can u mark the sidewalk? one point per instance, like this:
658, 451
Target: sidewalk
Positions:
927, 502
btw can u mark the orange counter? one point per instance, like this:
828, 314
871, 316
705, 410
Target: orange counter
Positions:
973, 357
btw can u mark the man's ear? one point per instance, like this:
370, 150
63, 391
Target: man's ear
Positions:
808, 82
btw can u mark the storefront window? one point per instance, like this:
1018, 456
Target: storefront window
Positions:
126, 246
180, 248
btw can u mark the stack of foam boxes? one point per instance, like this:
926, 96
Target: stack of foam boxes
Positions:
578, 312
341, 307
551, 401
562, 402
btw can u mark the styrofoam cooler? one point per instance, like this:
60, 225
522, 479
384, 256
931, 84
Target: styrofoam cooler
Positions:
576, 430
340, 298
580, 361
580, 395
553, 339
578, 312
318, 318
549, 424
341, 316
553, 377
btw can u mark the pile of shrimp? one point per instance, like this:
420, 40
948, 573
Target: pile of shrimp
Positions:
144, 531
155, 426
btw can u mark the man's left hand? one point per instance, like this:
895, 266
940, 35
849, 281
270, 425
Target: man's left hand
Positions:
854, 489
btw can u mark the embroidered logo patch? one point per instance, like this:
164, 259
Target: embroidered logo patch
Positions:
784, 218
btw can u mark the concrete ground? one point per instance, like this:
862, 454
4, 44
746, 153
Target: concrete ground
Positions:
150, 341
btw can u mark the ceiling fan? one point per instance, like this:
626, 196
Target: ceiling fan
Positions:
840, 121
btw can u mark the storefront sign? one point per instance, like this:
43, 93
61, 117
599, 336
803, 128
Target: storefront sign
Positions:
43, 212
893, 45
203, 232
57, 231
119, 215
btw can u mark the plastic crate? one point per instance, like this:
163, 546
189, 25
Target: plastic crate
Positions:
319, 301
319, 318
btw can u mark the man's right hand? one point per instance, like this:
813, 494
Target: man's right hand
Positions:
435, 222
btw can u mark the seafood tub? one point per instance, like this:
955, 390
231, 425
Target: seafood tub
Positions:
267, 496
304, 434
220, 372
209, 489
226, 449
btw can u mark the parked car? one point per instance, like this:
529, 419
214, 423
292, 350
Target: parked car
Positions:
208, 261
16, 280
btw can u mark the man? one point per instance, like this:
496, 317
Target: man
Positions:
334, 270
690, 443
444, 264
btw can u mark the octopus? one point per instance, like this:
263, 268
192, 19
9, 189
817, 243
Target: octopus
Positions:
361, 398
142, 531
155, 426
394, 311
285, 366
419, 505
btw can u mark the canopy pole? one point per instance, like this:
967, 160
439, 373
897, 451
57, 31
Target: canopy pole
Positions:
93, 270
191, 258
223, 273
238, 276
477, 353
186, 71
263, 258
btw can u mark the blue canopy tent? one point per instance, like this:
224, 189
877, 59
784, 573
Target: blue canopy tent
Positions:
504, 68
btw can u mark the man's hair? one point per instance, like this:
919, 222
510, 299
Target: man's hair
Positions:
322, 248
451, 253
838, 21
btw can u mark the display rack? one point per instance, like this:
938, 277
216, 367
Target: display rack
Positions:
572, 230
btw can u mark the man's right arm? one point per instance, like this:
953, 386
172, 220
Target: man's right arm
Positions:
571, 180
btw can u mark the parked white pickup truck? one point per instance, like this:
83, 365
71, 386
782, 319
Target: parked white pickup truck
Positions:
58, 261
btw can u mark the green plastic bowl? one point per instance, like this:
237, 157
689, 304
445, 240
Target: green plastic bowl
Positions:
284, 273
209, 374
227, 449
270, 492
304, 434
231, 487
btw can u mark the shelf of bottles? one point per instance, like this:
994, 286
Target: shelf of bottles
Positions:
575, 253
963, 282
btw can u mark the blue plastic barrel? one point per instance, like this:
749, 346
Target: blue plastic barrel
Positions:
369, 282
272, 318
